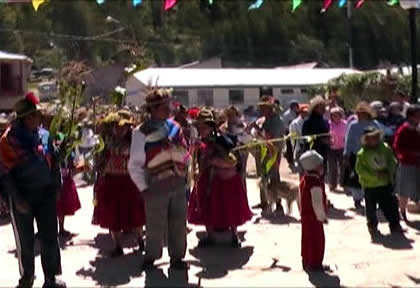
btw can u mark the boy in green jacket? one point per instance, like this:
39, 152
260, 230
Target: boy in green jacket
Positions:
376, 166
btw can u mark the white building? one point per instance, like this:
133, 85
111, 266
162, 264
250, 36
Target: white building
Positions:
224, 87
14, 71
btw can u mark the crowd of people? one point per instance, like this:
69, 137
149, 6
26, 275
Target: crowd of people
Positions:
170, 165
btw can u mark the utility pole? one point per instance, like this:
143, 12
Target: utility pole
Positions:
350, 33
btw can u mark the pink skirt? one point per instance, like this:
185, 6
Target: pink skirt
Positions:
223, 206
119, 204
68, 202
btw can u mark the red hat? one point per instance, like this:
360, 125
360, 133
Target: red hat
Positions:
193, 112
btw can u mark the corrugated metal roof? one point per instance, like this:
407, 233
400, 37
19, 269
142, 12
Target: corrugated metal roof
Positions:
175, 77
13, 57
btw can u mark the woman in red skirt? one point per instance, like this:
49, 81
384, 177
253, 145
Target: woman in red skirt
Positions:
68, 199
219, 200
119, 205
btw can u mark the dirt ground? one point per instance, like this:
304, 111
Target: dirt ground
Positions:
269, 257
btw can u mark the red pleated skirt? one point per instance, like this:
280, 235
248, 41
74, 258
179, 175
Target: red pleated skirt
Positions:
119, 204
221, 204
68, 202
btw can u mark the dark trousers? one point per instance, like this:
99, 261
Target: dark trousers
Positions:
387, 202
44, 212
289, 153
335, 167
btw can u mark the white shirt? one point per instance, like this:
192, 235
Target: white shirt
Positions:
296, 128
88, 138
137, 159
289, 116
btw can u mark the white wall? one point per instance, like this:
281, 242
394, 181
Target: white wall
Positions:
136, 92
221, 97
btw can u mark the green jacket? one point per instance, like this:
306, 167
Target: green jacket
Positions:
376, 167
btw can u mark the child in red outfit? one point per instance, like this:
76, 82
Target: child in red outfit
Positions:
313, 210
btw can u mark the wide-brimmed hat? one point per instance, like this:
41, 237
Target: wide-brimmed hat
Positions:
371, 131
376, 105
157, 97
266, 101
310, 160
27, 105
121, 117
206, 116
336, 110
316, 101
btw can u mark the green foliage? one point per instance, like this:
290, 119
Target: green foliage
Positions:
270, 36
370, 86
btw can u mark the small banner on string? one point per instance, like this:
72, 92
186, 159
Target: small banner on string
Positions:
36, 4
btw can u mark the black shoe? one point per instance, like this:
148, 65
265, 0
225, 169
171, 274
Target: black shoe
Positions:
25, 283
141, 244
236, 242
259, 206
117, 252
179, 265
374, 233
205, 242
397, 229
54, 283
149, 265
358, 204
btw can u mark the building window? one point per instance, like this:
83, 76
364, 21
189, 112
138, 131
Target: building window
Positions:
205, 97
236, 97
182, 97
266, 91
303, 91
287, 91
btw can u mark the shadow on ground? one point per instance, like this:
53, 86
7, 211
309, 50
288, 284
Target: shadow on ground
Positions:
175, 278
4, 221
106, 271
414, 225
338, 214
394, 241
415, 280
217, 261
323, 279
277, 220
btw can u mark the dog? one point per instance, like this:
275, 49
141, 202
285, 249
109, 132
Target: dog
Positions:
278, 191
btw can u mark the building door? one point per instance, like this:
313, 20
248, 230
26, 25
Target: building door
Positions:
6, 82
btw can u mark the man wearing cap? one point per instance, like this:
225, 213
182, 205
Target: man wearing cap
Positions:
295, 129
32, 190
352, 145
158, 166
288, 117
272, 128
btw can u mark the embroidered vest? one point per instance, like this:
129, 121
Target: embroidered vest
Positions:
165, 149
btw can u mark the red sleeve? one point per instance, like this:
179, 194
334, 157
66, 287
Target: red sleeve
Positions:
401, 144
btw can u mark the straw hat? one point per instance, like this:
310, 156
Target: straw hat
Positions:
310, 160
158, 96
316, 101
336, 110
121, 117
371, 131
206, 116
266, 101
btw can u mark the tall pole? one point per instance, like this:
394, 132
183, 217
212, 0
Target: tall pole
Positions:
350, 33
414, 79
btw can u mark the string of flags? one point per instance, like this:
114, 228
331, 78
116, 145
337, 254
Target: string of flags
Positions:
169, 4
